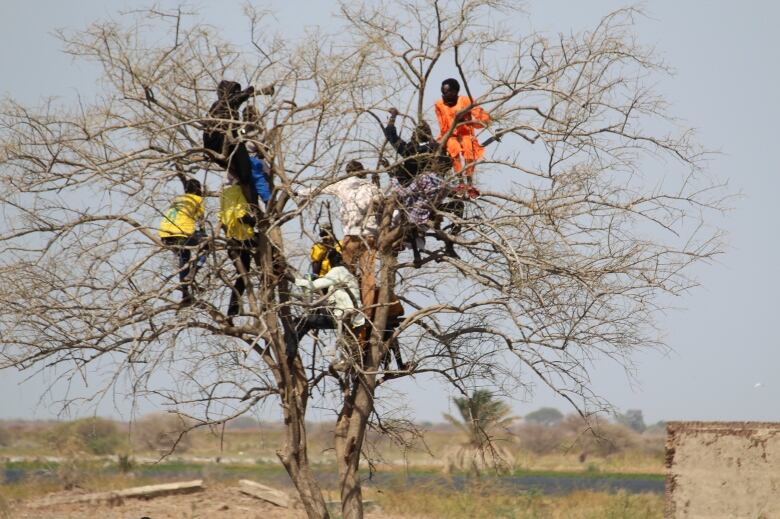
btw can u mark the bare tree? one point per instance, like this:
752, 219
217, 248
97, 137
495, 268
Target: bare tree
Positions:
592, 212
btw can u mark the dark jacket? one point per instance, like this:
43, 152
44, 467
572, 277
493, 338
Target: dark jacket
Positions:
419, 157
230, 97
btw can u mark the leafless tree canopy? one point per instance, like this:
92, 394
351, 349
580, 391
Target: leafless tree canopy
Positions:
592, 212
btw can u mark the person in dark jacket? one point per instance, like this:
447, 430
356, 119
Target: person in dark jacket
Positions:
421, 154
420, 184
221, 134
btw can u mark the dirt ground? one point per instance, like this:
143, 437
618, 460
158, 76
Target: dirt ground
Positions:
210, 503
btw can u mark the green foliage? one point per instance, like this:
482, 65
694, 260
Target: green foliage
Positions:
94, 435
480, 415
547, 416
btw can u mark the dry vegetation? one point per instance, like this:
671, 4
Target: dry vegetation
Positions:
556, 447
566, 446
484, 502
222, 500
593, 212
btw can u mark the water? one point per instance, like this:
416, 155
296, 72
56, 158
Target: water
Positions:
274, 475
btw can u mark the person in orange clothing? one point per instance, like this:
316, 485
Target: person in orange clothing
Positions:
453, 110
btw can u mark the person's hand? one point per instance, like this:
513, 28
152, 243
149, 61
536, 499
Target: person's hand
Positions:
463, 116
250, 90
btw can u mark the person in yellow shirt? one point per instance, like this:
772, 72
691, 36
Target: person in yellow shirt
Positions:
323, 250
236, 219
179, 231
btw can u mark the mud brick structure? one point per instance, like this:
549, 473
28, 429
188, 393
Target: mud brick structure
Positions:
723, 470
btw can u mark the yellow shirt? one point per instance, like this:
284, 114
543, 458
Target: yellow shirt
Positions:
319, 252
232, 207
180, 219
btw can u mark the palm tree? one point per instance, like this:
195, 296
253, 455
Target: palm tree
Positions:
483, 418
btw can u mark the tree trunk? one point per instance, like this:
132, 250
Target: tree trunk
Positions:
290, 380
294, 454
359, 398
350, 431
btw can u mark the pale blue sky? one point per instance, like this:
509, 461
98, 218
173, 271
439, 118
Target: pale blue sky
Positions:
726, 85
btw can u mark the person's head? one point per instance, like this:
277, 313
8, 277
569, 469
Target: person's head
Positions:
326, 233
422, 132
335, 259
353, 166
255, 148
193, 187
450, 88
226, 89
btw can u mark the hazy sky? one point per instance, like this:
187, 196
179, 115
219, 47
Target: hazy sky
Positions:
725, 351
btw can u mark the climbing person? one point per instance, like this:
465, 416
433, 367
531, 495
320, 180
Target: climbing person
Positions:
421, 153
261, 174
179, 230
323, 250
237, 221
360, 200
260, 167
343, 303
459, 118
419, 182
220, 132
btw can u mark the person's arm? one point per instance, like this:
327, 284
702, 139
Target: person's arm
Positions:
391, 134
333, 189
319, 283
237, 100
444, 123
480, 116
336, 189
324, 282
317, 255
400, 145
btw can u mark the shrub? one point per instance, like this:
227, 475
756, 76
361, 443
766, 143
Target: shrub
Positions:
540, 439
95, 435
73, 470
244, 423
605, 439
548, 416
160, 432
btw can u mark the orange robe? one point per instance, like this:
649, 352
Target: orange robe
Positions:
462, 141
